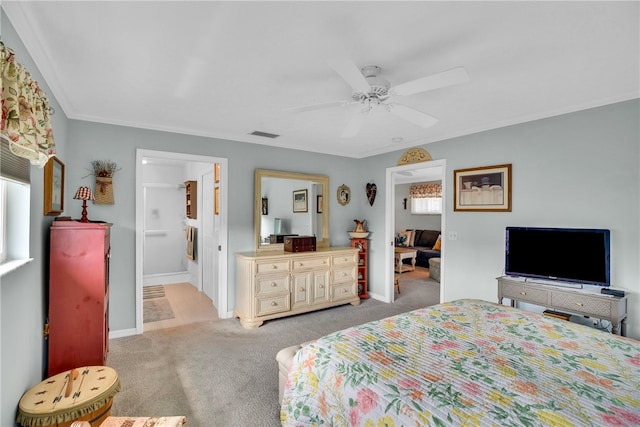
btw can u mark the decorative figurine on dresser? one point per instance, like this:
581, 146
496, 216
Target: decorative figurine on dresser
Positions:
78, 329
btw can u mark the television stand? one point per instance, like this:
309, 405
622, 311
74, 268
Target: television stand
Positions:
554, 283
577, 301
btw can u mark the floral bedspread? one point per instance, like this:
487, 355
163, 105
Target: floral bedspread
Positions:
465, 363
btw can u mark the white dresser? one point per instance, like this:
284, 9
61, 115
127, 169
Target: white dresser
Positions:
270, 285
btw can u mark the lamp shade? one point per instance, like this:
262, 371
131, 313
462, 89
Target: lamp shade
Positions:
84, 193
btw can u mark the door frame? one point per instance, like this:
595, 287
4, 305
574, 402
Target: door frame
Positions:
223, 285
393, 174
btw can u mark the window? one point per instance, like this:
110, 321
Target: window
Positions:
426, 198
3, 220
426, 205
14, 209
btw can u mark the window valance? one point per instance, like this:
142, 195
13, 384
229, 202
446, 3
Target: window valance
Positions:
26, 122
425, 190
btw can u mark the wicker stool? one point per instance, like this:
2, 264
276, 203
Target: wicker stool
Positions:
81, 394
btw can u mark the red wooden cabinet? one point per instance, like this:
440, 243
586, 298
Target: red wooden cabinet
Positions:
78, 295
361, 244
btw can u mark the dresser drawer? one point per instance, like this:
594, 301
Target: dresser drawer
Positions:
271, 284
524, 293
343, 291
345, 274
595, 306
272, 266
271, 305
305, 264
339, 260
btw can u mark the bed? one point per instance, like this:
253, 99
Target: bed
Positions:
466, 362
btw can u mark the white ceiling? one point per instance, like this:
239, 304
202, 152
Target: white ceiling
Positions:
225, 69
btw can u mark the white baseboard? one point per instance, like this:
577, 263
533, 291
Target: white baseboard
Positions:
163, 279
122, 333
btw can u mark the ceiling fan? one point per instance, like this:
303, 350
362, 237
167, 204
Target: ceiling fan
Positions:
374, 92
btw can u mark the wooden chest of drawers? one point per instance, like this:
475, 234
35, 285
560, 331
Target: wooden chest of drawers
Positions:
275, 284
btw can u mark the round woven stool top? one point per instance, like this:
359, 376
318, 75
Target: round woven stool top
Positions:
68, 396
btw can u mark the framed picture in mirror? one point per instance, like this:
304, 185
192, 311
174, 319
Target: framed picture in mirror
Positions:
300, 201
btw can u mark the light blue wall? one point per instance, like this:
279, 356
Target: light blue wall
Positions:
23, 292
575, 170
91, 141
578, 170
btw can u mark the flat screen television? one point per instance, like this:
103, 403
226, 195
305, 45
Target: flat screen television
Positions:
575, 255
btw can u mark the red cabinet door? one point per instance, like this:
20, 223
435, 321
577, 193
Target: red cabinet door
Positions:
78, 295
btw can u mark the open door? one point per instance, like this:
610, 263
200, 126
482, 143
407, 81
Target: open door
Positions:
416, 172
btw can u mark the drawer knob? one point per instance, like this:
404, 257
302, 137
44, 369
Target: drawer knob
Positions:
273, 303
274, 267
324, 261
344, 274
300, 264
579, 304
344, 291
274, 284
523, 293
321, 286
302, 289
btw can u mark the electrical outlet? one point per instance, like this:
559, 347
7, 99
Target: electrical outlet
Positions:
453, 235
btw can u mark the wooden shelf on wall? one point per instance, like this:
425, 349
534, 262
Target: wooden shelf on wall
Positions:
191, 199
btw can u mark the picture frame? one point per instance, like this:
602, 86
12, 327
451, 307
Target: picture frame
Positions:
300, 201
216, 200
53, 187
319, 203
482, 189
344, 195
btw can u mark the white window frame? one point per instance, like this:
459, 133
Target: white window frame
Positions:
3, 220
15, 234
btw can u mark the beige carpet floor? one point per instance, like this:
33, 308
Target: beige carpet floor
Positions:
219, 374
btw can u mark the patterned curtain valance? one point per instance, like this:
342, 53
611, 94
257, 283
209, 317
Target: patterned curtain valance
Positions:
26, 122
425, 190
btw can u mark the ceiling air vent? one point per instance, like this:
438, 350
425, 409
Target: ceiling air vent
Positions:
264, 134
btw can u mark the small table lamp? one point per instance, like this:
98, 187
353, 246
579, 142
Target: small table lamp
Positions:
84, 194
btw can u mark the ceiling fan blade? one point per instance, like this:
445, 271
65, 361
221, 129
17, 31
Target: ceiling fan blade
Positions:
316, 107
414, 116
351, 74
446, 78
354, 126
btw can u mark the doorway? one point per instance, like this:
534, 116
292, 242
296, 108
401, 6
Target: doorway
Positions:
417, 172
211, 241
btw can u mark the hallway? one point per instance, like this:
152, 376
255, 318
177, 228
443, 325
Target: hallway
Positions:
187, 304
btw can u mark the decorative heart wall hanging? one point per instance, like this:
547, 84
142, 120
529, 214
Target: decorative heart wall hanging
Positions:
371, 192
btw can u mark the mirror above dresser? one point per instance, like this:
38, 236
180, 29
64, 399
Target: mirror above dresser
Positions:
288, 203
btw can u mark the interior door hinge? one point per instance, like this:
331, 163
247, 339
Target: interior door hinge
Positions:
45, 333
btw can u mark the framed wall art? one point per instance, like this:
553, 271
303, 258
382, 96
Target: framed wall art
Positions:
300, 201
216, 201
482, 189
344, 195
53, 187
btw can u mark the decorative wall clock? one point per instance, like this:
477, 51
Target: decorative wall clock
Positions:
344, 195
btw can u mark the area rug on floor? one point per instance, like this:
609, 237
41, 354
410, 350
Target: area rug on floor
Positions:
156, 291
157, 309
